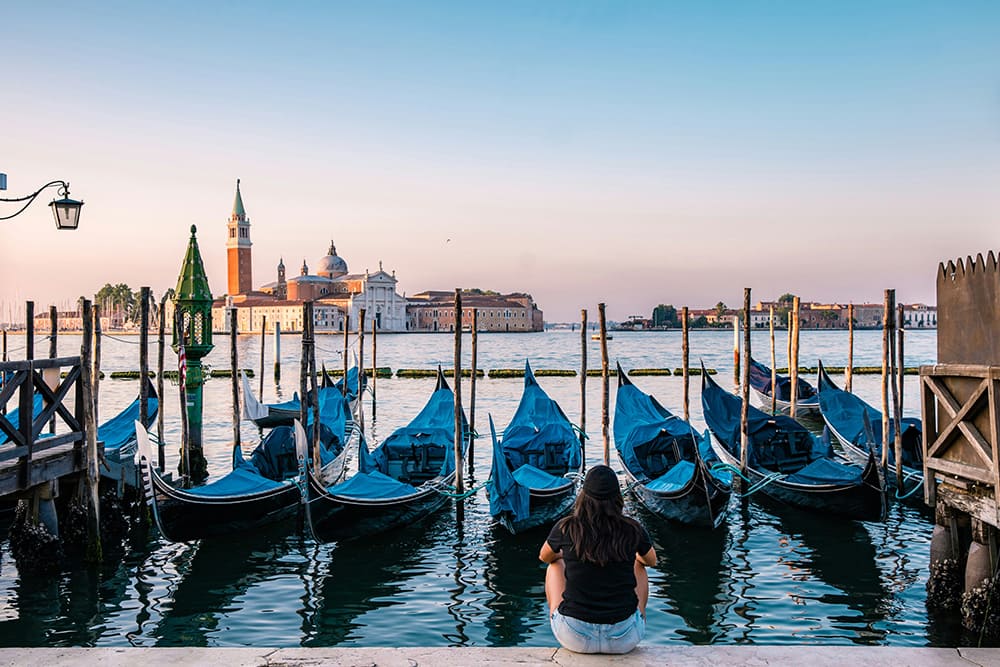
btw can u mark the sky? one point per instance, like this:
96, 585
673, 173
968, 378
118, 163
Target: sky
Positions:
626, 153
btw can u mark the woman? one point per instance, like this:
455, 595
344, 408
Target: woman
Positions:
596, 583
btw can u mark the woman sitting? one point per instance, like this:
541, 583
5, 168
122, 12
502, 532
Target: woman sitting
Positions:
596, 583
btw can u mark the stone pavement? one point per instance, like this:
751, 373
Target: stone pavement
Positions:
685, 656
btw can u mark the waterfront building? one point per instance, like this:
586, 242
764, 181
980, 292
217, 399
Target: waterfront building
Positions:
435, 311
339, 296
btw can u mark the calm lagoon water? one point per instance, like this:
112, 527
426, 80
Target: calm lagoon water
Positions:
770, 575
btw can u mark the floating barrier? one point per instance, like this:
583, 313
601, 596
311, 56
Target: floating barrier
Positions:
857, 370
130, 375
649, 371
224, 372
695, 370
381, 371
554, 372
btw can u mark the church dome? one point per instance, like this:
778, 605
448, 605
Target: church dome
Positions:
332, 266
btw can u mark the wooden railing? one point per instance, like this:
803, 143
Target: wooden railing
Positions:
27, 457
961, 423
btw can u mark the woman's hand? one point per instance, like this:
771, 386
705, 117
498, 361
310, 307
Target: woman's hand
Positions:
547, 555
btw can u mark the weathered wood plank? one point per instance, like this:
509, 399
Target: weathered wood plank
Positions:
982, 507
960, 470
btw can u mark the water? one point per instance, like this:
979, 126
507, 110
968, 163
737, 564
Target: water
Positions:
770, 575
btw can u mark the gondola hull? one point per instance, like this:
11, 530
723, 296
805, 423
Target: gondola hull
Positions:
702, 502
912, 480
803, 409
182, 517
545, 507
335, 518
864, 501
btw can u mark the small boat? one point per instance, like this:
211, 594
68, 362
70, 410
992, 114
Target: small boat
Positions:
267, 415
260, 490
858, 427
788, 463
668, 464
597, 336
536, 464
398, 483
806, 399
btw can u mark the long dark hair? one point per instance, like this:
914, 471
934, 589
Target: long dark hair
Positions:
599, 531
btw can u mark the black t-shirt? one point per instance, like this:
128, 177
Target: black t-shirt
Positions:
595, 593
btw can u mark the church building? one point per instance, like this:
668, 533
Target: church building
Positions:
339, 296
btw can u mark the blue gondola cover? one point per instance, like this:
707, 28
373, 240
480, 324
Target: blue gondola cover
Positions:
506, 495
243, 480
120, 429
372, 485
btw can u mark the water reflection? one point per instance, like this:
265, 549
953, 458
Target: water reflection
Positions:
840, 554
361, 576
516, 579
691, 578
211, 576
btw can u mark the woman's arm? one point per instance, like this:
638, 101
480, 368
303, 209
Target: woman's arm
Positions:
648, 559
547, 555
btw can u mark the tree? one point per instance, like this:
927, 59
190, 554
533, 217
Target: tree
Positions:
786, 298
700, 321
664, 315
720, 311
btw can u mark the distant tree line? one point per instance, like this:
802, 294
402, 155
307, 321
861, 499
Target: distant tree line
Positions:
667, 316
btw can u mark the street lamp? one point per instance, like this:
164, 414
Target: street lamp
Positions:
66, 211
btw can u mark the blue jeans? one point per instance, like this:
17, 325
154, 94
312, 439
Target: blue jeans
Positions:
582, 637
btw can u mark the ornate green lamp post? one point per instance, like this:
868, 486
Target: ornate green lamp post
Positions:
193, 328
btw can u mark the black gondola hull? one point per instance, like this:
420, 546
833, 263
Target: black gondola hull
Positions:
702, 502
545, 507
334, 518
183, 517
864, 501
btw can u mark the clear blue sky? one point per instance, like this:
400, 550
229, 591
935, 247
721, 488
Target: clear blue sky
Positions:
632, 153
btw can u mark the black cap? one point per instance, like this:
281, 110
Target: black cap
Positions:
601, 483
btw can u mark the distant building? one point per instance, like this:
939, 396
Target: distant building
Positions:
435, 311
338, 296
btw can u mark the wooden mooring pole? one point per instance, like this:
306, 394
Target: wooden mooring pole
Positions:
793, 363
98, 338
361, 368
459, 435
263, 339
161, 345
736, 350
745, 382
185, 463
849, 371
314, 391
92, 553
583, 386
685, 360
887, 313
605, 384
235, 380
774, 369
347, 334
29, 330
144, 356
277, 353
472, 392
898, 397
375, 363
304, 369
53, 353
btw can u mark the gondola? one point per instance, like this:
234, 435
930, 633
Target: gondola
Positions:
806, 399
786, 462
260, 490
668, 464
858, 427
267, 415
398, 483
118, 433
537, 463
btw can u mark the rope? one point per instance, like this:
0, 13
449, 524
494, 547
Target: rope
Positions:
754, 488
916, 487
460, 496
120, 340
579, 431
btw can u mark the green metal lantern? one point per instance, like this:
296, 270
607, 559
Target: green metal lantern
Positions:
193, 301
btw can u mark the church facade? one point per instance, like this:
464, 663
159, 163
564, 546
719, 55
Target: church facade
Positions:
338, 295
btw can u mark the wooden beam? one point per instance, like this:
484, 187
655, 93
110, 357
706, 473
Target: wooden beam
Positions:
961, 470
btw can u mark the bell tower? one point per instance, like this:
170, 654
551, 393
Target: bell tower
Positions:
238, 248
